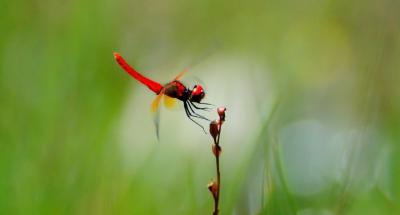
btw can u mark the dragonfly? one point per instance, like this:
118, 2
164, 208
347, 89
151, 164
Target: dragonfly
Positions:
172, 91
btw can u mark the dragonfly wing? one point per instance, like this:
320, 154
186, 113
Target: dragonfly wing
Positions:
155, 109
170, 102
179, 76
156, 119
155, 106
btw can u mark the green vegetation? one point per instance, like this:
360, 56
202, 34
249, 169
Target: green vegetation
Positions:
311, 90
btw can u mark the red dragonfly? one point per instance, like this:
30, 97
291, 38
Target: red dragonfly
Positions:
170, 91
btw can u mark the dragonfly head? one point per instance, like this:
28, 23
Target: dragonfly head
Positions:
197, 94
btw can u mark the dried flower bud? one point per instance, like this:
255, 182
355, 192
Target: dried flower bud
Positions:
213, 187
221, 113
216, 150
214, 129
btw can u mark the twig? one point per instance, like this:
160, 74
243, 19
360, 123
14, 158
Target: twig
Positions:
215, 131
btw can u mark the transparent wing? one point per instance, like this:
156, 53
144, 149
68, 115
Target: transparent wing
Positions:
179, 76
155, 109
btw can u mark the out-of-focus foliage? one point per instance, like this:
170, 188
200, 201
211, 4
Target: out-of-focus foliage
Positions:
311, 89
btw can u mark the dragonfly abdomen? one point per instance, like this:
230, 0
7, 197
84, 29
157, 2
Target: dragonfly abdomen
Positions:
152, 85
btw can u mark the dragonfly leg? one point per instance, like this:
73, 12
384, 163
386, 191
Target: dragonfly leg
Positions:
200, 108
190, 110
194, 114
204, 103
189, 115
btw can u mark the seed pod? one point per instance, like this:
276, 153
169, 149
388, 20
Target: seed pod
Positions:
214, 129
221, 113
213, 187
216, 150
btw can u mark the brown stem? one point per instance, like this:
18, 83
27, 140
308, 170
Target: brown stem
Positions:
216, 199
218, 150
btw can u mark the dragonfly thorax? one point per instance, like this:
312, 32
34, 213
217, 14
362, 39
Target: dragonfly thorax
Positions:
176, 89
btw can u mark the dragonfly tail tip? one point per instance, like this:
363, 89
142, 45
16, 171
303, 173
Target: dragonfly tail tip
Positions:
117, 55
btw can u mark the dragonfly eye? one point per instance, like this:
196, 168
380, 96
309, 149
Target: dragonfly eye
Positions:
197, 93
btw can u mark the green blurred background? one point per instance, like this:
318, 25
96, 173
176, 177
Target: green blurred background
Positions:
311, 90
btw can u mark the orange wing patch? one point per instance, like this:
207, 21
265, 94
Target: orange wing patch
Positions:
156, 103
170, 102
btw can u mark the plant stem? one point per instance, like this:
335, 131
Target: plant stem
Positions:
215, 131
216, 199
218, 149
